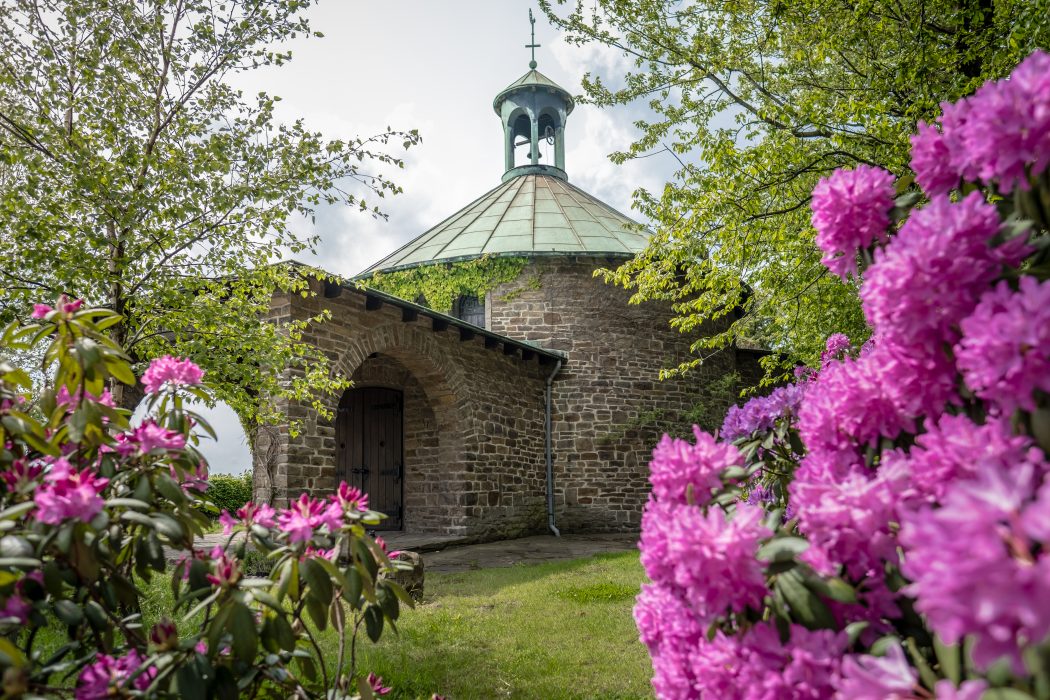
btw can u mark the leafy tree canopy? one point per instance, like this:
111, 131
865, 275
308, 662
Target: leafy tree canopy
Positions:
758, 100
134, 174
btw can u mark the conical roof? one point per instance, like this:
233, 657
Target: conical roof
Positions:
532, 80
528, 215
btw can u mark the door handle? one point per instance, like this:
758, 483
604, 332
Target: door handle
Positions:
361, 470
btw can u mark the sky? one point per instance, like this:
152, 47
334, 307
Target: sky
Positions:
433, 66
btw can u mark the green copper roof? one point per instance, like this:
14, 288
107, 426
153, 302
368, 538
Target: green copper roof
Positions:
528, 215
533, 79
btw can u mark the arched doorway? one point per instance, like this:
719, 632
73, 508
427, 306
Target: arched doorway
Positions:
369, 433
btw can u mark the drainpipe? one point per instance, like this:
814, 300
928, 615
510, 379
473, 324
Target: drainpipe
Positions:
550, 466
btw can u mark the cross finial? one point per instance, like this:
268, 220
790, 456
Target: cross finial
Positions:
533, 45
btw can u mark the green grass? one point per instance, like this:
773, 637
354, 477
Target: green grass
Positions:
551, 631
558, 630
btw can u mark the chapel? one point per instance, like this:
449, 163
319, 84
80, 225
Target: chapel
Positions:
533, 409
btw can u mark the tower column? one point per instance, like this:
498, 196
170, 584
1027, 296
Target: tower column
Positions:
559, 147
535, 141
508, 137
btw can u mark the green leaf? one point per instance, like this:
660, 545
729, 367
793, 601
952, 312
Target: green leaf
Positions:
245, 636
805, 606
317, 579
782, 549
68, 612
373, 622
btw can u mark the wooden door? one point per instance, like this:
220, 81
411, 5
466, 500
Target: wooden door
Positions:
369, 438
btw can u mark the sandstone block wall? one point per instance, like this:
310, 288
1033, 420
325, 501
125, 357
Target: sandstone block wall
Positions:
610, 407
473, 419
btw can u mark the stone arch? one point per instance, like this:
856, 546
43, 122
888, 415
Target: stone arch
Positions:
403, 357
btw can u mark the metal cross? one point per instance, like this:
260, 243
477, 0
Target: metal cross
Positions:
533, 45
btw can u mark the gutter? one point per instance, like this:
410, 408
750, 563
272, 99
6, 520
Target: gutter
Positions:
548, 441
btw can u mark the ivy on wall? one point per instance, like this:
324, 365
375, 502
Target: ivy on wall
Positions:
440, 284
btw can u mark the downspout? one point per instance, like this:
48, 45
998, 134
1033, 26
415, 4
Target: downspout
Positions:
550, 465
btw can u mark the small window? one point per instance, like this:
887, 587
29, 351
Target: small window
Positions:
471, 310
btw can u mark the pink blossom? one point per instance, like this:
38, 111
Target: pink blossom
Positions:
171, 371
756, 665
22, 474
977, 563
249, 514
305, 515
108, 674
68, 494
41, 310
678, 465
376, 683
851, 211
149, 437
709, 557
225, 569
835, 348
848, 511
849, 405
64, 398
227, 521
969, 690
930, 161
1004, 353
934, 270
350, 497
16, 607
886, 677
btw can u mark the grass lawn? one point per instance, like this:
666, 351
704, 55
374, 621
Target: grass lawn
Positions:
550, 631
558, 630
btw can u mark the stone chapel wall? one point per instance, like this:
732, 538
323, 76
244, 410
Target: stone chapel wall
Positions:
474, 454
610, 406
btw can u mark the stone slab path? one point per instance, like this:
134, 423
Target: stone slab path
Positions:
447, 554
526, 550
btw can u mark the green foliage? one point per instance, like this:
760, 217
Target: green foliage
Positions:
760, 99
440, 285
229, 492
134, 175
78, 575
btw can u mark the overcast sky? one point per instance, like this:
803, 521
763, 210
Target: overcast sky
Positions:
433, 66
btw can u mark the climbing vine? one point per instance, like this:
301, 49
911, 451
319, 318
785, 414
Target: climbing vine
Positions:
441, 284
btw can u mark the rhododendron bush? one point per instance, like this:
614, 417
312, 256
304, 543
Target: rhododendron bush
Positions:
92, 508
881, 527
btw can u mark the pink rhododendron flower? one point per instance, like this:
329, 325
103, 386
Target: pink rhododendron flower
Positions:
886, 677
225, 569
350, 497
376, 683
67, 494
41, 310
934, 270
306, 515
22, 474
851, 211
148, 437
249, 514
709, 557
756, 665
171, 371
847, 511
1004, 353
64, 398
848, 405
930, 161
107, 674
678, 465
15, 607
977, 564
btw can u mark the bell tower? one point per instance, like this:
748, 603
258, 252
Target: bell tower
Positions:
534, 109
